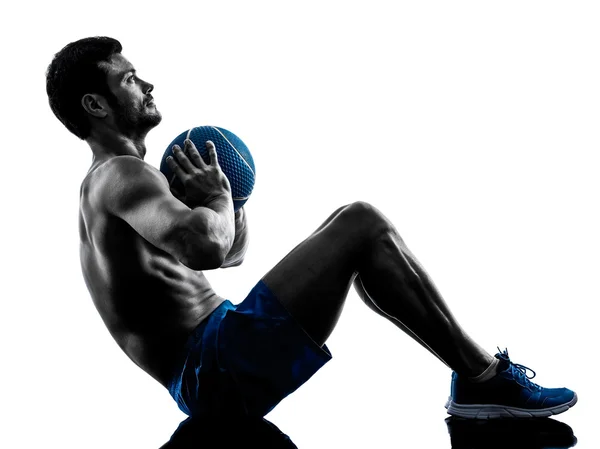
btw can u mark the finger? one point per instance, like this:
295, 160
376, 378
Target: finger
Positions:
182, 159
174, 166
193, 154
212, 153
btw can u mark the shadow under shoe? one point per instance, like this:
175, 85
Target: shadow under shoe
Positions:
530, 433
228, 433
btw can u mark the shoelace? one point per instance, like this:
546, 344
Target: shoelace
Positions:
519, 371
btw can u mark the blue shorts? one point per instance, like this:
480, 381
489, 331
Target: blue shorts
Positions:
244, 359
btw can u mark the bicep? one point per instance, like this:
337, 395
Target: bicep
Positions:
138, 194
152, 214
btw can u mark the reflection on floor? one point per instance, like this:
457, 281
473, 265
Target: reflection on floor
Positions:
537, 433
228, 433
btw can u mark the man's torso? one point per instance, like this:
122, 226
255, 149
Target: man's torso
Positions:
149, 301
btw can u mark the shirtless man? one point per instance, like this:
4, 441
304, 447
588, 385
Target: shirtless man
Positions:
144, 247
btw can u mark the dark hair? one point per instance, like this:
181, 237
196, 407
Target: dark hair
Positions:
74, 72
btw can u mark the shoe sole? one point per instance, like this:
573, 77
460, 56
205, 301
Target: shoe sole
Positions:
490, 411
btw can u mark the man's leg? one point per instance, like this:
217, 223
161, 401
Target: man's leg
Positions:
358, 244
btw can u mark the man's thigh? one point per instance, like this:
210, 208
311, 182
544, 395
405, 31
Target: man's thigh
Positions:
264, 351
245, 359
313, 280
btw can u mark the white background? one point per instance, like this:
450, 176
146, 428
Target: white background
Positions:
473, 125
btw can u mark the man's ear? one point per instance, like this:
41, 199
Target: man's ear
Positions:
95, 105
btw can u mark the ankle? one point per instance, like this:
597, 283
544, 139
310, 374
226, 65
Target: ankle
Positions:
488, 373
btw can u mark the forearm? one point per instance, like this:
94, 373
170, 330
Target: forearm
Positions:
235, 256
211, 231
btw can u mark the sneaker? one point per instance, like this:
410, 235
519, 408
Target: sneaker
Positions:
509, 394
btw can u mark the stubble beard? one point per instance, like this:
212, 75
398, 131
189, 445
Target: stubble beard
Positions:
132, 121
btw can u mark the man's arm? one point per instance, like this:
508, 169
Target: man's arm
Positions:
235, 257
136, 192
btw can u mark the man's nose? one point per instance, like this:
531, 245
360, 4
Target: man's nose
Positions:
148, 87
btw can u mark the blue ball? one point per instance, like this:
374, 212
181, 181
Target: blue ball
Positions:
234, 158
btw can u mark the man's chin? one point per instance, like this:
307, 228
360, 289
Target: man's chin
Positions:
140, 124
153, 120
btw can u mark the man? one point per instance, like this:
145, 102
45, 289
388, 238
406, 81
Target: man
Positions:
144, 247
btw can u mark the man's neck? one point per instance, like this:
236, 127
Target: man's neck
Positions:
109, 145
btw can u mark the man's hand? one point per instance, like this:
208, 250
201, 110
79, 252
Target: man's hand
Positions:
203, 182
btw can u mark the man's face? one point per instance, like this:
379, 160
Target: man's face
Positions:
134, 111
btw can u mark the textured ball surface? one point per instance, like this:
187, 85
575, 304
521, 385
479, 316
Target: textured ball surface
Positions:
234, 158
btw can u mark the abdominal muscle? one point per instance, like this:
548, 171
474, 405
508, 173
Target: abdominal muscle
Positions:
160, 353
148, 300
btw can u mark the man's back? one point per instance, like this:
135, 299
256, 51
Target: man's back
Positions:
149, 301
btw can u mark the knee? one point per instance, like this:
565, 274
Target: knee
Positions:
366, 217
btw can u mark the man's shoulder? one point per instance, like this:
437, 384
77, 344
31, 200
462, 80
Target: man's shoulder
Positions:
120, 169
116, 167
117, 175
